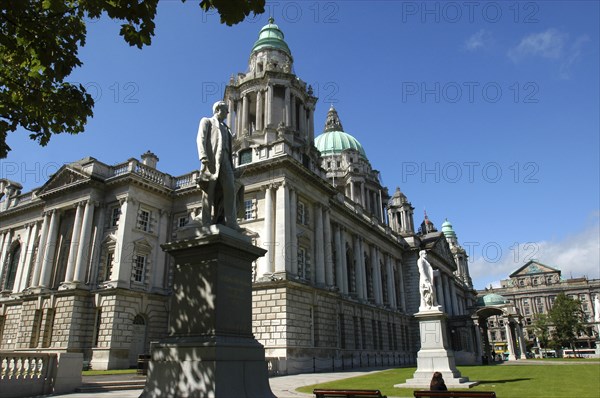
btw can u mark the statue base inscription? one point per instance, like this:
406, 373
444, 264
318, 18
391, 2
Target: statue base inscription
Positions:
210, 350
434, 355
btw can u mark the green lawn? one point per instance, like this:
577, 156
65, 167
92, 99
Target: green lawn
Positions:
532, 381
108, 372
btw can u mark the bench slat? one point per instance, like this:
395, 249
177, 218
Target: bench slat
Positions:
455, 394
328, 393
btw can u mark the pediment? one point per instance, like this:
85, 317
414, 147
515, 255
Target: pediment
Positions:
442, 249
65, 177
534, 267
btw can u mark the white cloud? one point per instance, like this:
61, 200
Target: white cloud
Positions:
547, 44
477, 40
577, 255
573, 56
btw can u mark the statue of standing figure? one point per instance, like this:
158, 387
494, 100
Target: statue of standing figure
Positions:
426, 286
217, 179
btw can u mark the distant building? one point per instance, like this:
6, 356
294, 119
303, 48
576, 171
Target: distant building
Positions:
531, 290
83, 271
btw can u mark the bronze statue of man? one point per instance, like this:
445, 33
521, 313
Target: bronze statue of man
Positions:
217, 179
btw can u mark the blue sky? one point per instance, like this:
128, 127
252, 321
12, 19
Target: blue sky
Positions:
485, 113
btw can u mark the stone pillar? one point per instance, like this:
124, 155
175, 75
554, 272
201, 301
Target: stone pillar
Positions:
259, 110
363, 266
509, 340
391, 286
41, 249
27, 265
269, 106
435, 354
311, 125
5, 247
83, 252
402, 294
267, 241
345, 288
478, 351
319, 245
439, 293
288, 106
50, 249
522, 346
97, 245
245, 114
282, 224
293, 111
294, 231
375, 275
21, 261
329, 280
362, 194
230, 115
210, 350
303, 120
352, 191
453, 296
238, 119
337, 241
357, 269
75, 239
447, 299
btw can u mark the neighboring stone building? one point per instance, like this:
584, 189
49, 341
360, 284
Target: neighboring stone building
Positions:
531, 290
83, 271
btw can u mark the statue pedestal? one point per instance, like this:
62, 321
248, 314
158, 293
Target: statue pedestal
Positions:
434, 355
210, 350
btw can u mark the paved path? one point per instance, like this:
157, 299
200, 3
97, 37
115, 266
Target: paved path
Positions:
282, 386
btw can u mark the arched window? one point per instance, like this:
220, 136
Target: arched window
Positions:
13, 263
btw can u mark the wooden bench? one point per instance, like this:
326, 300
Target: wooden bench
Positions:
455, 394
323, 393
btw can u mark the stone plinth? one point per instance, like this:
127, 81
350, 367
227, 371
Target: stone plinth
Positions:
210, 350
434, 355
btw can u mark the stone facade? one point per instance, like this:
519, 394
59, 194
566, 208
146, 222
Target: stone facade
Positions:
531, 290
83, 270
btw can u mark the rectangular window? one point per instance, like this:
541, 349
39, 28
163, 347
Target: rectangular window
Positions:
139, 264
342, 331
97, 329
182, 221
249, 209
115, 214
301, 213
144, 220
110, 257
303, 263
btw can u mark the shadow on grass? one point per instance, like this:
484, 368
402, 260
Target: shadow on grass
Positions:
502, 381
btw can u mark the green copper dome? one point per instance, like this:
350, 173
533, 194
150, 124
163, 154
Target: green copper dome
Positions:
334, 140
271, 36
447, 229
491, 299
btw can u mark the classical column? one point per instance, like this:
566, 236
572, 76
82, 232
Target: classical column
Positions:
390, 282
478, 351
362, 194
288, 118
328, 249
345, 288
509, 340
50, 249
357, 269
311, 125
363, 266
374, 274
5, 246
402, 295
337, 241
269, 106
303, 120
35, 280
22, 256
83, 252
293, 115
522, 346
319, 245
439, 293
259, 110
230, 114
352, 196
238, 119
453, 296
293, 231
97, 244
267, 261
75, 240
282, 224
245, 125
158, 272
447, 298
28, 256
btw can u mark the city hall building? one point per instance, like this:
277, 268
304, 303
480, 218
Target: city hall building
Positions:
82, 269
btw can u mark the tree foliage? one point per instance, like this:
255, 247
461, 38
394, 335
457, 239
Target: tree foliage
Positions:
541, 327
567, 317
39, 42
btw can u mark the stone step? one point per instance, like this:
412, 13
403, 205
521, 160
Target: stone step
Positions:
112, 386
